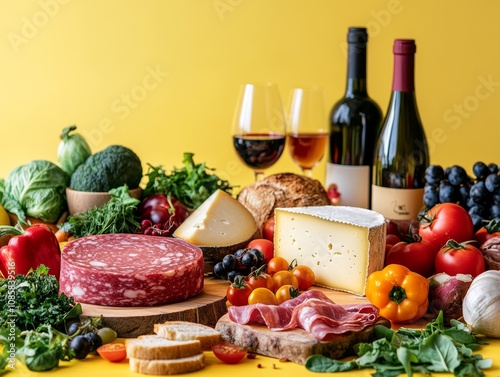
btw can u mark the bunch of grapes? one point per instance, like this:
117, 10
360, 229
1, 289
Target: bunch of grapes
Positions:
242, 262
479, 195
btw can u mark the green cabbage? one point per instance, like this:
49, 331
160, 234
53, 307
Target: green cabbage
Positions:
72, 151
36, 189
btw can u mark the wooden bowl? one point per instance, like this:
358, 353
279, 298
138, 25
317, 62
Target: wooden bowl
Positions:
82, 201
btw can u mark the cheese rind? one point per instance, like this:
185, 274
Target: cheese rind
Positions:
219, 221
342, 245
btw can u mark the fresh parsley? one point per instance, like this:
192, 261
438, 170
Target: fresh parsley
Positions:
32, 300
192, 184
436, 348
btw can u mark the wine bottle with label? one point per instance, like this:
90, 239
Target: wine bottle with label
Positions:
401, 152
354, 124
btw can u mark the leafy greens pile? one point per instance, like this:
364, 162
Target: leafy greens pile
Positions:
192, 184
37, 301
436, 348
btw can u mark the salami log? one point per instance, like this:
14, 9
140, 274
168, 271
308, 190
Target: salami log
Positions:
131, 270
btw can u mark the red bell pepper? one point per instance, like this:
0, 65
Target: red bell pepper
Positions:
28, 249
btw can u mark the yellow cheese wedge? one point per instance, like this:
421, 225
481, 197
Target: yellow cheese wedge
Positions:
219, 221
342, 245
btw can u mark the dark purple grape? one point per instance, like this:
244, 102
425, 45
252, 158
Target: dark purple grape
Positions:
477, 221
492, 183
431, 196
447, 192
463, 194
457, 175
478, 209
478, 192
220, 271
496, 198
480, 170
260, 256
229, 262
249, 259
493, 168
231, 276
239, 253
495, 211
434, 174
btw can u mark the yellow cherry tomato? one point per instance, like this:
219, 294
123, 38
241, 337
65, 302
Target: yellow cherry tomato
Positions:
262, 296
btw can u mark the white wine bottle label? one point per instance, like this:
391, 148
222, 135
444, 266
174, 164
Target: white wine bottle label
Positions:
353, 183
397, 204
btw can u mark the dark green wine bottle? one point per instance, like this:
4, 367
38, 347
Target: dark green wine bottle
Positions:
354, 124
401, 152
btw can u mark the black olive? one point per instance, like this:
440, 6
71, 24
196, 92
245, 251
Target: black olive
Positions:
81, 346
95, 340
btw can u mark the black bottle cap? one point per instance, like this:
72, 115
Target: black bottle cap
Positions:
357, 35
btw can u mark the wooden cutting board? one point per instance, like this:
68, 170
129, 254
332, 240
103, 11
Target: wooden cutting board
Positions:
130, 322
293, 345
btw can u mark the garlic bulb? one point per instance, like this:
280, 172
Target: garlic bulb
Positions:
481, 305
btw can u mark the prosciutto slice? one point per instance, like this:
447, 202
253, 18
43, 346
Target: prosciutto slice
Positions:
312, 311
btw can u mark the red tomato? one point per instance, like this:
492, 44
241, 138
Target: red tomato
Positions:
114, 352
446, 221
418, 256
262, 280
305, 275
266, 246
237, 293
228, 353
460, 258
268, 230
492, 229
277, 264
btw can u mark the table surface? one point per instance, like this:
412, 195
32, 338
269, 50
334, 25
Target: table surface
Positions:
95, 366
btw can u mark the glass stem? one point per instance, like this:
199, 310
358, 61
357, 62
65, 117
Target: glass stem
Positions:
307, 172
259, 175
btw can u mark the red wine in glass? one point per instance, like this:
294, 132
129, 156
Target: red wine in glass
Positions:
259, 151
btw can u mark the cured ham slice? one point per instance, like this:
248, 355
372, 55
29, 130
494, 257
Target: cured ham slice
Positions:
312, 311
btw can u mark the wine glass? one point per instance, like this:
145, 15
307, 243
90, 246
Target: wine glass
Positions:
259, 129
308, 131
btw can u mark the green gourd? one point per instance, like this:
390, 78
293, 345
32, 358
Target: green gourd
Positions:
73, 150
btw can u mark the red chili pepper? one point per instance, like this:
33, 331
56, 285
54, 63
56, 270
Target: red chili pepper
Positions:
28, 249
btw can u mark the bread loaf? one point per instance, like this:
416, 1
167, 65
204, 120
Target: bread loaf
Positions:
281, 190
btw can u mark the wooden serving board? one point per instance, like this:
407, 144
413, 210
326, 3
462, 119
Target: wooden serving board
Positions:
293, 345
130, 322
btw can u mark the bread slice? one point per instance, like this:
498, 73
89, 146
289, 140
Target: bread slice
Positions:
168, 367
151, 347
183, 330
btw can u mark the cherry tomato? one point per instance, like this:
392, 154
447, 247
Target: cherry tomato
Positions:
228, 353
266, 246
490, 230
285, 277
286, 292
305, 275
262, 296
114, 352
237, 293
460, 258
268, 230
418, 256
261, 280
277, 264
446, 221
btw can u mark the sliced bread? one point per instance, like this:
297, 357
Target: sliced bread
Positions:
163, 367
150, 347
183, 330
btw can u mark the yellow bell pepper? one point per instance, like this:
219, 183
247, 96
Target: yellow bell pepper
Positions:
401, 295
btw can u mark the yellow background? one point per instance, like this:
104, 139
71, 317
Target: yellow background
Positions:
162, 76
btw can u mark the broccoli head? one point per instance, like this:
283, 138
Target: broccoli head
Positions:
110, 168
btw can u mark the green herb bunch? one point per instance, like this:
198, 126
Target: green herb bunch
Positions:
192, 184
436, 348
37, 301
116, 216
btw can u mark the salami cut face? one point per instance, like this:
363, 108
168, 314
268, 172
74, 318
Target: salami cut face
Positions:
131, 270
